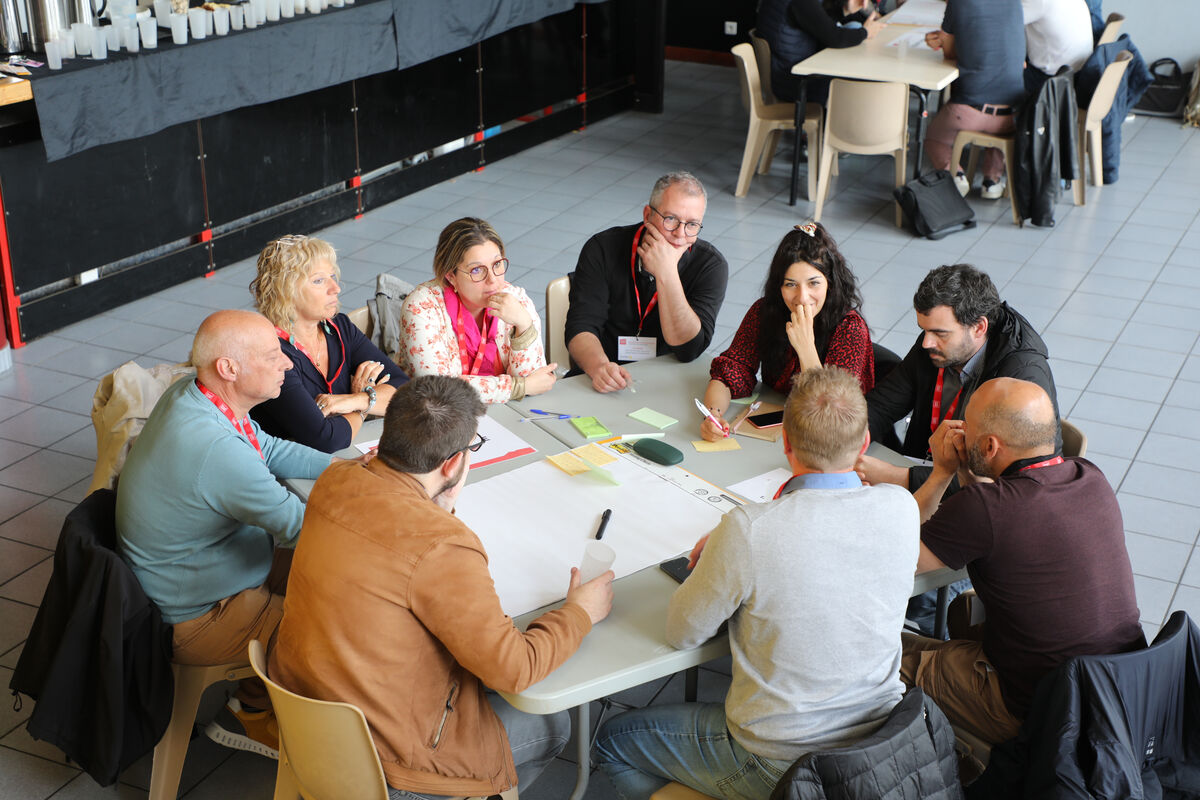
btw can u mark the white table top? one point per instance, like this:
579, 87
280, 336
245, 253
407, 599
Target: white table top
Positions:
874, 60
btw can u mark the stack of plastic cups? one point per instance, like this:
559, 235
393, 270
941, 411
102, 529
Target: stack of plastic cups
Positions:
82, 32
99, 46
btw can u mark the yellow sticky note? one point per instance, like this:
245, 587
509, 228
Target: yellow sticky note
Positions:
719, 446
594, 454
569, 463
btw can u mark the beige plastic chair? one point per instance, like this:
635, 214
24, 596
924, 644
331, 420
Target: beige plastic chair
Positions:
171, 750
866, 118
979, 141
361, 318
1074, 440
677, 791
1089, 125
325, 749
1112, 28
768, 120
558, 300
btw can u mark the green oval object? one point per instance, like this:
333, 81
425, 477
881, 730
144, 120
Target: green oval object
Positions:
658, 452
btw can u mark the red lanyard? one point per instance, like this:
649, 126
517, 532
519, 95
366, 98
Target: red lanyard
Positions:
637, 296
1049, 462
487, 338
290, 339
245, 427
935, 417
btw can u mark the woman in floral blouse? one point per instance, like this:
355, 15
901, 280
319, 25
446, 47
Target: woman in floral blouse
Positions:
807, 317
470, 322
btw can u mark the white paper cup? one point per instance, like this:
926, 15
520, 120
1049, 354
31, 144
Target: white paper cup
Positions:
236, 17
68, 43
148, 27
196, 26
162, 13
314, 6
260, 11
286, 9
83, 37
113, 34
99, 47
54, 50
299, 5
251, 17
338, 3
272, 10
221, 21
179, 28
208, 22
598, 558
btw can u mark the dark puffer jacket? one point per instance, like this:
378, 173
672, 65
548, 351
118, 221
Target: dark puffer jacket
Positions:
910, 758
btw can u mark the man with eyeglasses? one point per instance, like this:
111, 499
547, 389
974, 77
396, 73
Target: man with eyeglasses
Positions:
391, 607
646, 290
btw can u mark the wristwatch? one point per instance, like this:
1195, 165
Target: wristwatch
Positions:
371, 397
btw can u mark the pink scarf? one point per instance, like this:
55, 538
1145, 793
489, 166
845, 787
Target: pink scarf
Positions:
477, 351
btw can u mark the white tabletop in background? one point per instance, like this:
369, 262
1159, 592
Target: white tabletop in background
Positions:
874, 60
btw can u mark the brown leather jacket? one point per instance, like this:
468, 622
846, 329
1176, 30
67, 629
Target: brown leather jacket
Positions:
390, 607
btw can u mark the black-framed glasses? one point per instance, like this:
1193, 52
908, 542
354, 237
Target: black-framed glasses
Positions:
479, 272
672, 223
479, 441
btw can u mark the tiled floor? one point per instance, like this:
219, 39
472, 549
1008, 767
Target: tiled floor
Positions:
1115, 288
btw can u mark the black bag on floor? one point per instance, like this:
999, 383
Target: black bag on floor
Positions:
933, 206
1168, 93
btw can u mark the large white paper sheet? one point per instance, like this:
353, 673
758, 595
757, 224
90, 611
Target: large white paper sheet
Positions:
501, 445
912, 39
928, 13
534, 522
761, 488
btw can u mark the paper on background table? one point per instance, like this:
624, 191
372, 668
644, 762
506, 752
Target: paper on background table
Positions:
530, 554
501, 445
913, 39
594, 454
762, 488
919, 12
590, 427
653, 418
569, 463
719, 446
366, 447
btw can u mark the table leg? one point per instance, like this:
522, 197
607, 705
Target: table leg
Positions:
801, 108
922, 114
943, 606
691, 684
583, 749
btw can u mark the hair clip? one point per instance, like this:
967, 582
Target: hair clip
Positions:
809, 227
290, 239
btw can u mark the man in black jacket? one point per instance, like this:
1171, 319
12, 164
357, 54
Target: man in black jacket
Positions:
968, 336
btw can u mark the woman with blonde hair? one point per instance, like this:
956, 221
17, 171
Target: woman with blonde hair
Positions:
338, 376
470, 322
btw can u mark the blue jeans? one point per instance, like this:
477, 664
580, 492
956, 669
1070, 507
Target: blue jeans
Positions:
645, 749
535, 740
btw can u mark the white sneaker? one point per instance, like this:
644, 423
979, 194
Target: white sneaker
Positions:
964, 186
993, 190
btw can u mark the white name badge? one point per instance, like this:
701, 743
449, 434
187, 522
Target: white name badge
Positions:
636, 348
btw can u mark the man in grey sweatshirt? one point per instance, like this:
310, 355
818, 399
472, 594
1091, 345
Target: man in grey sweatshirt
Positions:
814, 585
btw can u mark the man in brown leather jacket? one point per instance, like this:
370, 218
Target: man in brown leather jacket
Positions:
390, 607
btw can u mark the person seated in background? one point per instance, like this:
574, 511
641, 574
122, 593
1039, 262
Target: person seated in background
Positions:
670, 299
470, 322
813, 585
338, 376
200, 510
808, 316
1044, 543
987, 40
390, 607
795, 29
1058, 33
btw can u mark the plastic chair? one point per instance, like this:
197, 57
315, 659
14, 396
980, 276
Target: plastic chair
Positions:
1112, 28
1089, 124
361, 318
558, 300
1074, 440
768, 120
171, 750
677, 791
867, 118
979, 140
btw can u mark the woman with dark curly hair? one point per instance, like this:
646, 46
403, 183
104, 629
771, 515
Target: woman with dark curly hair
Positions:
808, 316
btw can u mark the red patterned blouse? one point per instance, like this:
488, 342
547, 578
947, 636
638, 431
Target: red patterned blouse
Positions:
849, 348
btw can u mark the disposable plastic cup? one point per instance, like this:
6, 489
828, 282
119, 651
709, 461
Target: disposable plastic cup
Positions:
299, 6
221, 21
83, 37
208, 22
260, 11
196, 25
54, 50
272, 10
132, 37
236, 17
287, 10
598, 558
113, 35
338, 3
99, 47
68, 43
162, 13
179, 29
314, 6
251, 18
148, 27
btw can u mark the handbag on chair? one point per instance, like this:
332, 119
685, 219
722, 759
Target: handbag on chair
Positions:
933, 206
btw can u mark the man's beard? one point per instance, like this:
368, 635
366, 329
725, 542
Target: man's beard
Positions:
976, 462
450, 484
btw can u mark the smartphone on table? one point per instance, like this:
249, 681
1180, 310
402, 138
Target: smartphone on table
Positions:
768, 419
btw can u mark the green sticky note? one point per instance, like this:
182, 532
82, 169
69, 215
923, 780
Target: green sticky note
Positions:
745, 401
653, 418
590, 427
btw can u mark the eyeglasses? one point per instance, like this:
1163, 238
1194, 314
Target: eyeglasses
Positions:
672, 223
479, 272
479, 441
